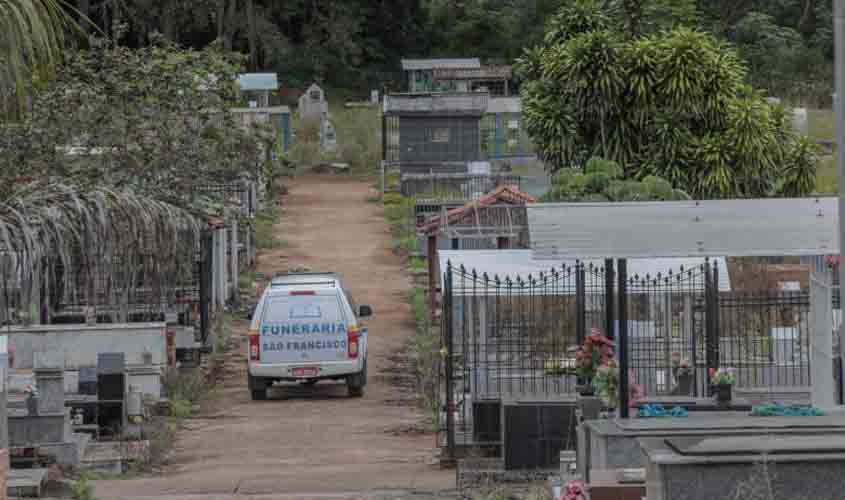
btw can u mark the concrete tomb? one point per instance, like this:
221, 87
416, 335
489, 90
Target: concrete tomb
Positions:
614, 444
791, 466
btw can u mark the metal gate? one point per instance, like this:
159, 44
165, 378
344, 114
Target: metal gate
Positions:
514, 337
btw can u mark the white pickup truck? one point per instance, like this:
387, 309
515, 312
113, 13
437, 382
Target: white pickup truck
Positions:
306, 329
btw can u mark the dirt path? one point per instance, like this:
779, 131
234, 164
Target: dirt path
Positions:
320, 444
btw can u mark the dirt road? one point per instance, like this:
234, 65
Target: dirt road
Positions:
314, 444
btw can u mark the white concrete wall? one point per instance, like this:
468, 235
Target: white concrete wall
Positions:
81, 344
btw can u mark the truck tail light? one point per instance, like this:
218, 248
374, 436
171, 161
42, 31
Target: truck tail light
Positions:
254, 346
353, 337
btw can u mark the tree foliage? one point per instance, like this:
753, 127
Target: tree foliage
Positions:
673, 105
32, 37
153, 120
114, 165
604, 181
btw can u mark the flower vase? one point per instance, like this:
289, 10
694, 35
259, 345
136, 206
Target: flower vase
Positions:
32, 405
685, 384
586, 390
724, 393
590, 407
610, 414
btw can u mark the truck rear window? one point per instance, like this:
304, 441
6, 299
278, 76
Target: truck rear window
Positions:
320, 313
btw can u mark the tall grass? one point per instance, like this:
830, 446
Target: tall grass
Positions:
266, 232
358, 143
426, 352
358, 131
399, 212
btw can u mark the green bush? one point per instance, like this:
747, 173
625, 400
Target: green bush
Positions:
82, 489
417, 264
181, 408
266, 237
391, 199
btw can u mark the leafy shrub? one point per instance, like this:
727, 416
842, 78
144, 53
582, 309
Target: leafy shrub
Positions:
391, 199
82, 489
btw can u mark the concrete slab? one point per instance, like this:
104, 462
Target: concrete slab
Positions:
751, 445
26, 483
712, 422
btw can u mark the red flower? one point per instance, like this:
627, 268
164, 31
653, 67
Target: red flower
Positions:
711, 372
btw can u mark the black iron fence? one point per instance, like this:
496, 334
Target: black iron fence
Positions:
514, 337
124, 290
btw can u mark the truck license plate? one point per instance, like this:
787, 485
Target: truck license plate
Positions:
305, 372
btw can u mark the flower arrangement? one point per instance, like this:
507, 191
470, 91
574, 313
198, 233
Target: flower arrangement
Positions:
574, 490
723, 376
607, 383
682, 367
596, 351
31, 391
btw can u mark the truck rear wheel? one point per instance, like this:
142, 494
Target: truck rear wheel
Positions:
258, 388
355, 384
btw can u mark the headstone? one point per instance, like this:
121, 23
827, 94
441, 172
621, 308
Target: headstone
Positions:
88, 380
90, 315
49, 371
374, 97
800, 122
313, 104
328, 136
774, 100
111, 376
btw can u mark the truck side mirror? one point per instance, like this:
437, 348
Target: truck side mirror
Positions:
365, 311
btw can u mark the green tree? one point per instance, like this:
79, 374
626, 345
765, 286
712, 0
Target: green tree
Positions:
152, 120
673, 105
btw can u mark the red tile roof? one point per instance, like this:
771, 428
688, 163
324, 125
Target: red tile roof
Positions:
507, 194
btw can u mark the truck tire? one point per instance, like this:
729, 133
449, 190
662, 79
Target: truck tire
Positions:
258, 388
355, 384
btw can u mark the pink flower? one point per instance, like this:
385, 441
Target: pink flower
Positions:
575, 490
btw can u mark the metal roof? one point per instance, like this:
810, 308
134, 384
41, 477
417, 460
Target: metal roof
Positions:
505, 194
736, 228
474, 103
498, 105
258, 81
521, 263
430, 64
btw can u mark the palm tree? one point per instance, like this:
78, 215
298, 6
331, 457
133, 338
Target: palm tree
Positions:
32, 37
